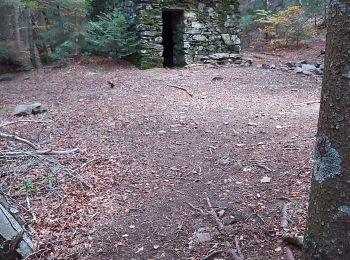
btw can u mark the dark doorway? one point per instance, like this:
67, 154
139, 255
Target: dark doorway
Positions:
173, 38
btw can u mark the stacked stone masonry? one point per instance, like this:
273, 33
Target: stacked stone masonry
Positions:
202, 31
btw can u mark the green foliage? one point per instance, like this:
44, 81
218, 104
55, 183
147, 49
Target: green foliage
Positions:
5, 51
287, 26
248, 23
65, 51
59, 35
27, 186
111, 35
315, 7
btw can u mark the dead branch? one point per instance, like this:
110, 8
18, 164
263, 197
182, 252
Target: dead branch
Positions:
19, 139
264, 167
87, 163
215, 216
20, 122
181, 88
238, 248
212, 254
196, 208
231, 251
38, 152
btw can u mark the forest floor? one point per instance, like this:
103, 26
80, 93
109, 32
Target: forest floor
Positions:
161, 153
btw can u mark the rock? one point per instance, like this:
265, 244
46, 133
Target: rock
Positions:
265, 66
6, 77
202, 237
265, 179
224, 161
308, 73
309, 67
319, 71
219, 56
298, 70
246, 62
25, 110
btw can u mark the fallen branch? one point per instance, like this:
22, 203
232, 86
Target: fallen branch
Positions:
181, 88
221, 228
196, 208
19, 139
21, 121
238, 248
215, 216
231, 251
212, 254
38, 152
264, 167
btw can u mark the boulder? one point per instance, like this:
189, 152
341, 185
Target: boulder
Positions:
298, 70
25, 110
309, 68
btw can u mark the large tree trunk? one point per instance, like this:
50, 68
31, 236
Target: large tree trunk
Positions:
328, 223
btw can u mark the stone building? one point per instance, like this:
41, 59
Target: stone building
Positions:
181, 32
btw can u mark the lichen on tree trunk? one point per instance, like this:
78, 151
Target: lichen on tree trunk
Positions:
328, 224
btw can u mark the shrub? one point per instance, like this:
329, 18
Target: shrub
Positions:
287, 26
5, 51
111, 35
65, 51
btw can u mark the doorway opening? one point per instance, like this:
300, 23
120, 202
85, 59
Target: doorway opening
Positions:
173, 27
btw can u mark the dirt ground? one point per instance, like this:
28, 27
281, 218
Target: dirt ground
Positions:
165, 152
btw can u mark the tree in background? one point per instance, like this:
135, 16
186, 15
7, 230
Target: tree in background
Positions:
328, 222
111, 35
285, 27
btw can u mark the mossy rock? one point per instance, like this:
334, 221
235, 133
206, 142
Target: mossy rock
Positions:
6, 77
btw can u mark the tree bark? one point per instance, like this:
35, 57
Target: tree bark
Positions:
328, 224
31, 38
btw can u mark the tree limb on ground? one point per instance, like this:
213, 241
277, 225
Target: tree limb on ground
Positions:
181, 88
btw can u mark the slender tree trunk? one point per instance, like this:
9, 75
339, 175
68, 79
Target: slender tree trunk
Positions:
18, 35
328, 224
30, 38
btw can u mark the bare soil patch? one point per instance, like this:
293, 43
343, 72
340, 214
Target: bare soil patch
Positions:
165, 152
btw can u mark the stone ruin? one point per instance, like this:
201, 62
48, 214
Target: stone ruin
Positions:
183, 32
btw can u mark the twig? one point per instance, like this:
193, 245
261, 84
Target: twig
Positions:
212, 254
181, 88
231, 252
196, 208
263, 166
21, 121
238, 248
215, 216
87, 163
29, 208
19, 139
221, 228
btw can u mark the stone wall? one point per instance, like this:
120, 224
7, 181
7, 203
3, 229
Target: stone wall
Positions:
208, 28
